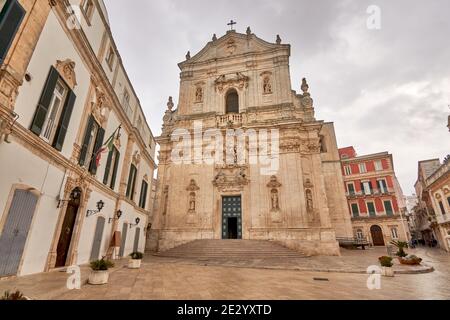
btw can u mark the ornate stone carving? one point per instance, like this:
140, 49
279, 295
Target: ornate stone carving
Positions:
214, 38
168, 118
136, 157
188, 55
231, 47
274, 183
237, 80
306, 99
309, 201
66, 69
230, 178
249, 31
98, 106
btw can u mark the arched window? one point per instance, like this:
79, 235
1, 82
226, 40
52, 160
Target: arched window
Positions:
232, 101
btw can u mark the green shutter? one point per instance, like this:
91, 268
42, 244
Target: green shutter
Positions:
86, 140
371, 208
116, 166
131, 182
11, 17
143, 197
108, 166
98, 144
355, 210
44, 102
388, 207
64, 121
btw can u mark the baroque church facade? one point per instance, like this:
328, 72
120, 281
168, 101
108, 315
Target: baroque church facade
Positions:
240, 82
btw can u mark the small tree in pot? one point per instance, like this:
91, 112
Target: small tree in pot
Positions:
401, 246
386, 266
100, 274
135, 260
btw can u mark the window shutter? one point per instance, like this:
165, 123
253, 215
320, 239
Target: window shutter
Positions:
10, 19
108, 166
44, 102
114, 174
97, 146
84, 147
143, 198
64, 121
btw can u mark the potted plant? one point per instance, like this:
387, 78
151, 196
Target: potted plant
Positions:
100, 274
401, 246
13, 296
135, 260
386, 266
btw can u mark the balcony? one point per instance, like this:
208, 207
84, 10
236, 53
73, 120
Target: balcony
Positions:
229, 119
373, 192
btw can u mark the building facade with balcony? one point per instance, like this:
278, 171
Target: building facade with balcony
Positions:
433, 187
373, 196
424, 213
76, 163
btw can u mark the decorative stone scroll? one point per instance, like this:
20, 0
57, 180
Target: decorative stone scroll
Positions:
98, 107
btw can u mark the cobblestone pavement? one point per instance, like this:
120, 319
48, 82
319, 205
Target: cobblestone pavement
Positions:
161, 278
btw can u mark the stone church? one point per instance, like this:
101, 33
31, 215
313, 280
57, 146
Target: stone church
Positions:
240, 82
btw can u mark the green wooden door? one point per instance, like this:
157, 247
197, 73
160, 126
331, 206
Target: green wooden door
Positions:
232, 218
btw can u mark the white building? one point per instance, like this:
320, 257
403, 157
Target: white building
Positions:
63, 93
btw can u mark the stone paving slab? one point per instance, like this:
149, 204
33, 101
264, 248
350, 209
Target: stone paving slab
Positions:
160, 279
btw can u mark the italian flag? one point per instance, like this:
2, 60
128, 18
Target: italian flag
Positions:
107, 147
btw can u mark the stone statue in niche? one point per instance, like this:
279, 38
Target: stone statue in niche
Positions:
275, 200
192, 202
267, 86
309, 201
199, 94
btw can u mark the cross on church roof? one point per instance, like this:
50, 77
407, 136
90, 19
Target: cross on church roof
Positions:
231, 24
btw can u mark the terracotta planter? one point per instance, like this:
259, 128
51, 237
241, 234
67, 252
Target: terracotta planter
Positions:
387, 271
134, 264
412, 262
98, 277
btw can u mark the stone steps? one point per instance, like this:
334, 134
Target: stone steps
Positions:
231, 249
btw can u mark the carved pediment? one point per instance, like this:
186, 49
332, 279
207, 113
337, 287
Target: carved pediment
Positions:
232, 44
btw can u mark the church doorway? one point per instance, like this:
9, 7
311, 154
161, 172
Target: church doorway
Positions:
377, 235
232, 217
65, 238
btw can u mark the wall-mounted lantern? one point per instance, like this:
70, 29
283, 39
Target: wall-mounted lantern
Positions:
138, 220
117, 217
75, 195
100, 206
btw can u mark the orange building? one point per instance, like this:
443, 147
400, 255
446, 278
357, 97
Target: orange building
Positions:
374, 197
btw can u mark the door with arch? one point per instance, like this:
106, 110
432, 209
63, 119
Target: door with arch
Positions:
98, 236
377, 236
14, 235
65, 238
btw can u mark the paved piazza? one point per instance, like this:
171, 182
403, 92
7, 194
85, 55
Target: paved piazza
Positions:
163, 278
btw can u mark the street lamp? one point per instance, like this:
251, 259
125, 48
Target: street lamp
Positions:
138, 220
100, 206
117, 217
75, 195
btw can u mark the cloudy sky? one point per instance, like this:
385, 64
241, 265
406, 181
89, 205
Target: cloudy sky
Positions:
386, 90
